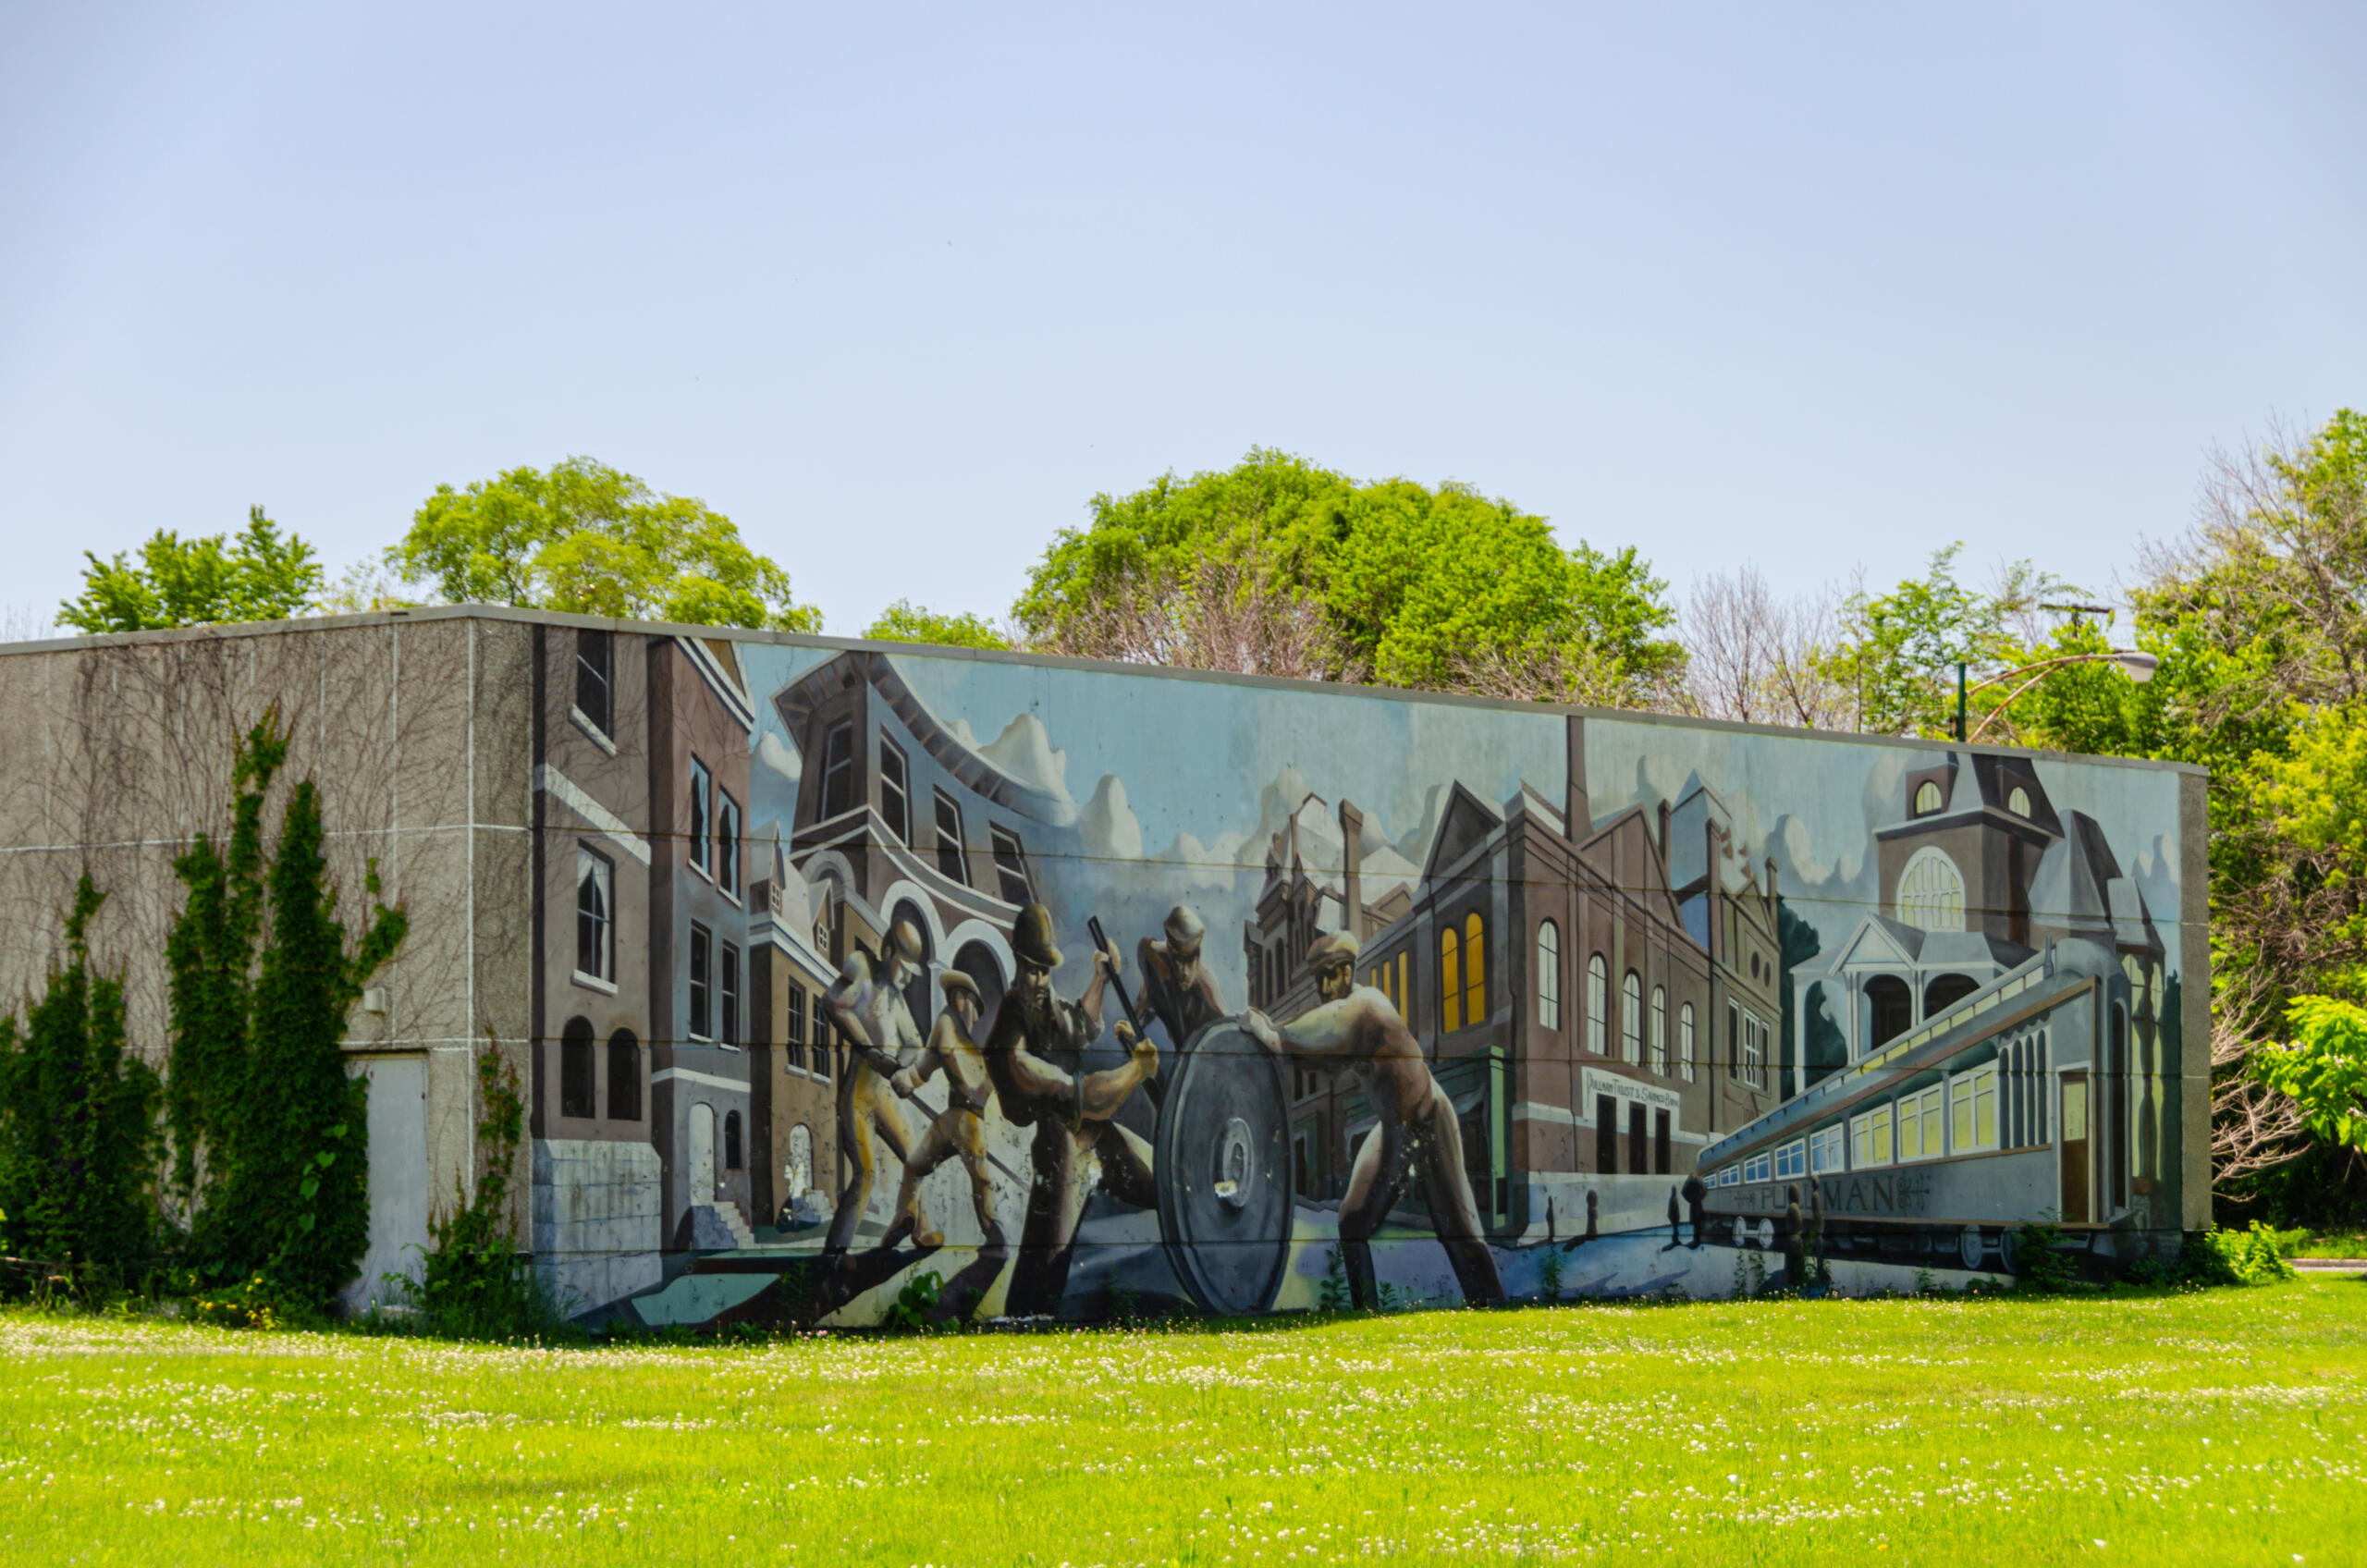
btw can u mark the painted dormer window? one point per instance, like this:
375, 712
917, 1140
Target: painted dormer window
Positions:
2018, 802
1927, 798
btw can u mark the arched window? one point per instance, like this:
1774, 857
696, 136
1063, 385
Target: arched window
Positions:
624, 1076
1927, 798
1660, 1030
1449, 981
1549, 977
575, 1069
1931, 892
731, 1140
1684, 1041
1597, 1006
797, 1175
2019, 801
1631, 1019
1475, 969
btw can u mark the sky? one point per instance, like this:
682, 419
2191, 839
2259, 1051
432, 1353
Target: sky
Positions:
900, 288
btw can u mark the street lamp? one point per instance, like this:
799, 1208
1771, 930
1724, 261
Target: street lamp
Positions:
2138, 664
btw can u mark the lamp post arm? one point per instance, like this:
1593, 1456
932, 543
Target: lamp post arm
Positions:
1991, 717
2033, 669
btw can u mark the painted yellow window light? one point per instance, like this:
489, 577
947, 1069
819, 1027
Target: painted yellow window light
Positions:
1449, 981
1475, 969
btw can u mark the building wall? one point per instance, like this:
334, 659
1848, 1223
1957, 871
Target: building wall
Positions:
453, 748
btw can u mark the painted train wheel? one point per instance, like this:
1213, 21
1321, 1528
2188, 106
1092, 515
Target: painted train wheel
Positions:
1224, 1172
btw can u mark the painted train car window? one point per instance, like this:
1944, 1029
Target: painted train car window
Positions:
1921, 1132
1756, 1168
1548, 975
1475, 969
1972, 1105
1792, 1159
1827, 1149
702, 794
1869, 1137
1597, 1006
1685, 1040
596, 924
1449, 981
1660, 1030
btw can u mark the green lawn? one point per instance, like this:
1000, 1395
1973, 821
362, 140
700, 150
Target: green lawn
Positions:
2227, 1427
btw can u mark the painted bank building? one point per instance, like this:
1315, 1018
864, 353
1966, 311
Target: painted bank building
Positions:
827, 965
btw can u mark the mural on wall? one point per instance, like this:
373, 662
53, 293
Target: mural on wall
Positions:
1313, 995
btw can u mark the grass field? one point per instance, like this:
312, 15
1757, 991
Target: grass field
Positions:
2225, 1427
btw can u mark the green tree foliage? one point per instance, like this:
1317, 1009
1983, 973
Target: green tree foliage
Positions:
904, 621
584, 537
262, 979
2324, 1067
1411, 585
1898, 653
77, 1122
253, 575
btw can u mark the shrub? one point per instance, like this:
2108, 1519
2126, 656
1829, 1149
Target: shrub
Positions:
475, 1284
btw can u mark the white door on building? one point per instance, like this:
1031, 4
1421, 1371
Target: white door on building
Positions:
698, 1171
400, 1189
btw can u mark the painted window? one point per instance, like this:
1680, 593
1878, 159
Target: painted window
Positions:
1549, 977
1792, 1159
575, 1054
1631, 1020
1405, 999
1931, 892
594, 658
727, 993
1869, 1138
727, 842
793, 1035
821, 1040
1597, 1006
624, 1077
1449, 981
596, 915
1475, 969
797, 1172
1756, 1168
838, 771
1754, 1051
1010, 865
731, 1157
2019, 801
948, 838
895, 792
1827, 1149
1660, 1030
1973, 1107
1922, 1131
1684, 1056
702, 811
702, 977
1927, 798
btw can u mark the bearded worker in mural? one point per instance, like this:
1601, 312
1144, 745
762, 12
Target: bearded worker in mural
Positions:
1357, 1027
871, 1014
958, 1133
1176, 985
1036, 1057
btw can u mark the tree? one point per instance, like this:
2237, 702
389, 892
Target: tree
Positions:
2324, 1068
586, 538
1896, 654
255, 575
1278, 561
904, 621
1753, 658
78, 1131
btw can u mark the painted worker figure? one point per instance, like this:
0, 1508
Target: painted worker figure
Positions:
1697, 1201
1357, 1026
870, 1013
1177, 986
1035, 1057
958, 1133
